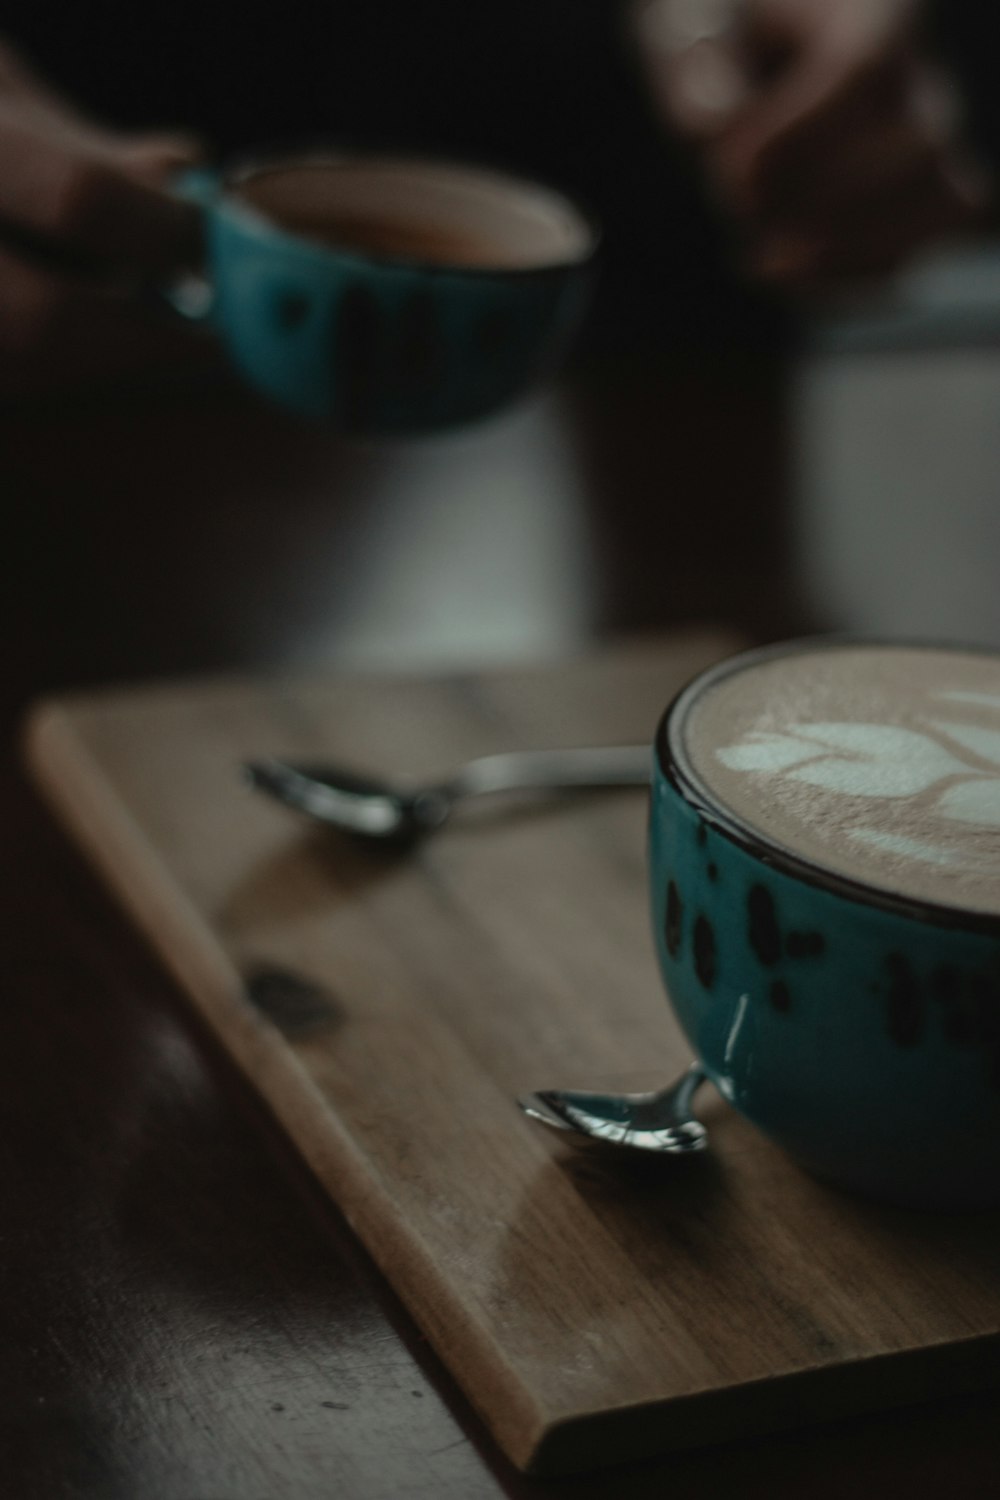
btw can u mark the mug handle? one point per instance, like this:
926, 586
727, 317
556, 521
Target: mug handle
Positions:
192, 295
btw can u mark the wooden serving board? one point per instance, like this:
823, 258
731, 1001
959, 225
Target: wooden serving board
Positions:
390, 1009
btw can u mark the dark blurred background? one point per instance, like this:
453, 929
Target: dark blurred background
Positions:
544, 87
655, 455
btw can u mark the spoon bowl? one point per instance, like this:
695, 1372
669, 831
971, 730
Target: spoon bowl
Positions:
660, 1122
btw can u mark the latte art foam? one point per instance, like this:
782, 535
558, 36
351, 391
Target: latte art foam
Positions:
878, 763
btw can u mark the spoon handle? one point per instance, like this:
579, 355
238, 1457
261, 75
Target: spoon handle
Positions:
546, 770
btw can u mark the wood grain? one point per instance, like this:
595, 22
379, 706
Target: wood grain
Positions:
389, 1009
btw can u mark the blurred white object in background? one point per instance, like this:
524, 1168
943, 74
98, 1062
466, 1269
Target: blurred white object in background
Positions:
896, 457
475, 555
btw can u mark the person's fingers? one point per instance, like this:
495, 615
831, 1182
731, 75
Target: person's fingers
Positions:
864, 147
17, 76
60, 334
877, 238
695, 60
155, 158
802, 111
891, 175
67, 195
869, 156
84, 221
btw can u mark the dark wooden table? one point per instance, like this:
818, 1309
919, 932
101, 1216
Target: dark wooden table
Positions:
184, 1315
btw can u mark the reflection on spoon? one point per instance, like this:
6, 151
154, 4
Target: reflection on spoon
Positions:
659, 1122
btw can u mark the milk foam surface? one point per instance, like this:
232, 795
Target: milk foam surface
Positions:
878, 763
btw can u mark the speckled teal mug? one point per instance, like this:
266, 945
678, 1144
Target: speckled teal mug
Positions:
825, 880
386, 294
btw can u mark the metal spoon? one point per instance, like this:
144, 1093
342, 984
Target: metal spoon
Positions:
378, 809
659, 1122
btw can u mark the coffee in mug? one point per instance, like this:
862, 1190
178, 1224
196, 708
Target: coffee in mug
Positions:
878, 765
825, 868
400, 209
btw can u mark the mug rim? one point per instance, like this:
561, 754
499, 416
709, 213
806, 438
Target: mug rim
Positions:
229, 175
673, 764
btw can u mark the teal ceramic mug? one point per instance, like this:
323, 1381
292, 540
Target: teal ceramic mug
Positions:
387, 294
825, 881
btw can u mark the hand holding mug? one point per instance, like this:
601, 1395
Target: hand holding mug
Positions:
85, 217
